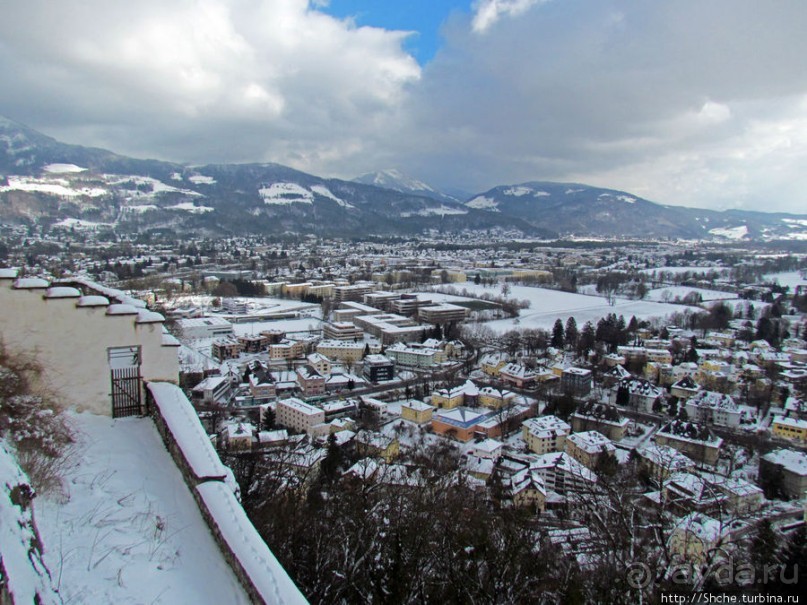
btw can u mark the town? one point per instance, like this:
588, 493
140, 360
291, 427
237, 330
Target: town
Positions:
510, 414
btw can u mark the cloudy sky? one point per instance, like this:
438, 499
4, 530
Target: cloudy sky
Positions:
698, 103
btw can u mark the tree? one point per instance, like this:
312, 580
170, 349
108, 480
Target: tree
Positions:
268, 422
557, 334
572, 334
587, 339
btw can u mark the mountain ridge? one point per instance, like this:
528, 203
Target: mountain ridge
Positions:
52, 183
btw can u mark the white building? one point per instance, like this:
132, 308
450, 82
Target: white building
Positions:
297, 415
717, 408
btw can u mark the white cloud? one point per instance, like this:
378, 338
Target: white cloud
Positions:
487, 12
200, 80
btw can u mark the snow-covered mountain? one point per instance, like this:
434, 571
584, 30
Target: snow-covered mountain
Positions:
45, 181
573, 208
396, 180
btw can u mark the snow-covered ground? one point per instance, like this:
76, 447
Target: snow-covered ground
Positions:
788, 278
129, 531
548, 305
673, 292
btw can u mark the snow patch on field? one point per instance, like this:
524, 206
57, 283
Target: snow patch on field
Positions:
435, 211
129, 530
483, 203
190, 207
63, 168
325, 192
60, 187
730, 232
286, 193
201, 179
80, 225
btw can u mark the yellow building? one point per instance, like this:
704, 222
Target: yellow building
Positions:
491, 364
374, 444
789, 428
448, 398
417, 411
490, 397
587, 447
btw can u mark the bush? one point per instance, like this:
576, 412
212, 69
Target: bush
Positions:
32, 425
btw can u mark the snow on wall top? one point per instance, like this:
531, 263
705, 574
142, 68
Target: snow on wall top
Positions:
93, 301
62, 292
8, 273
186, 429
149, 317
268, 576
31, 283
121, 310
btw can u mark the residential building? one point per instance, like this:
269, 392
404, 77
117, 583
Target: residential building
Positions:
562, 474
602, 418
517, 375
343, 350
492, 363
527, 490
311, 382
789, 428
786, 467
637, 393
286, 349
297, 415
414, 356
588, 447
717, 408
576, 381
237, 435
213, 390
320, 363
417, 411
694, 440
225, 348
491, 397
684, 388
378, 367
659, 462
545, 434
369, 443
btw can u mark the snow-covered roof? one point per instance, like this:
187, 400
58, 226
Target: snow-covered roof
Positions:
591, 442
9, 273
791, 460
261, 566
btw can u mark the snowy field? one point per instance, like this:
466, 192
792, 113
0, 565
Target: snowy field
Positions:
548, 305
130, 532
788, 278
673, 292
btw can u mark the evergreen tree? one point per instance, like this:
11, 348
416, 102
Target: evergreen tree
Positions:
557, 334
572, 334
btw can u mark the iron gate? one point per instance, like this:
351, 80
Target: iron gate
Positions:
126, 380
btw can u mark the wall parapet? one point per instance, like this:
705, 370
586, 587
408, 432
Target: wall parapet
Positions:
214, 489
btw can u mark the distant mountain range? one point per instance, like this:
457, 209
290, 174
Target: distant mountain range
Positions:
51, 183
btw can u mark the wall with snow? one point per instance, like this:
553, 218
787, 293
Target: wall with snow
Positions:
214, 489
69, 333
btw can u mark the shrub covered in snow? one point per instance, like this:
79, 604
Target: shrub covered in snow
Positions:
31, 424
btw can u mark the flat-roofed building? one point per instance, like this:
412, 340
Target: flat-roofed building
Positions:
342, 330
458, 423
204, 327
297, 415
225, 348
789, 428
443, 313
378, 367
577, 381
352, 293
343, 350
